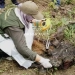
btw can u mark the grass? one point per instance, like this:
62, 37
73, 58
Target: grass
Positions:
69, 33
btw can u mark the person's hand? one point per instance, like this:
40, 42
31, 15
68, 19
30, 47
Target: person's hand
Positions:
45, 62
35, 20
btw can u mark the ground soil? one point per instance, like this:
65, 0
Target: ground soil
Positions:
12, 68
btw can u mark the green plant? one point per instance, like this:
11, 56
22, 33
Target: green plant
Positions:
68, 1
52, 4
69, 33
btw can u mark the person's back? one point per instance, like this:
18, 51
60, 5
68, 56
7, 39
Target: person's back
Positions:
9, 19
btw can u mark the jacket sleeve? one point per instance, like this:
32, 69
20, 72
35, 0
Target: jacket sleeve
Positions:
18, 38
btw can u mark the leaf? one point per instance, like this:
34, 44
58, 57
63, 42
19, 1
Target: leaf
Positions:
1, 71
55, 68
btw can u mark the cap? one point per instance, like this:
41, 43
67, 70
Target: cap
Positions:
31, 8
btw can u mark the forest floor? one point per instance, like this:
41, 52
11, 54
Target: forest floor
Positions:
12, 68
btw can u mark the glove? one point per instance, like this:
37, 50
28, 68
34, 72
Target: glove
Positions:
45, 63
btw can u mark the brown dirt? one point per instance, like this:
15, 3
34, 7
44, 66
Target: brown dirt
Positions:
12, 68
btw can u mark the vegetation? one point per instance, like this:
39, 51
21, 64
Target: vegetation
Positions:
60, 17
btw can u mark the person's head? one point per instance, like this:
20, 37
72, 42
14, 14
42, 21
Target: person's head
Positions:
30, 8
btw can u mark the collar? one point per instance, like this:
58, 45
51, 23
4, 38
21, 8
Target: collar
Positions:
18, 14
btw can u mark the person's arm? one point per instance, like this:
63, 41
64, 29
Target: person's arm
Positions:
18, 38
